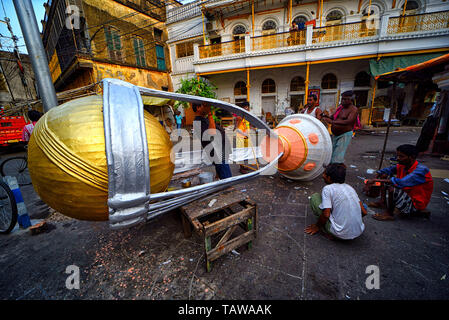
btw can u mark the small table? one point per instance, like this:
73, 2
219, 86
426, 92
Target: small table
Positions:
217, 218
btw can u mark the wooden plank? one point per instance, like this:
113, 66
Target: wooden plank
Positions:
207, 247
226, 236
256, 220
224, 199
230, 245
229, 221
186, 226
186, 174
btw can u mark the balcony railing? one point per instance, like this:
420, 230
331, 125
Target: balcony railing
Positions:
279, 40
419, 22
365, 29
344, 32
222, 49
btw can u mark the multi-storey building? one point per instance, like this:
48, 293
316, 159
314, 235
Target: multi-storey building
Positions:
250, 51
88, 40
17, 82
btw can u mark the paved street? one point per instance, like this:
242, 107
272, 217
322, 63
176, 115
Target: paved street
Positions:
155, 261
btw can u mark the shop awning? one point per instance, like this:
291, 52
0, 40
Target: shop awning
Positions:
390, 64
417, 72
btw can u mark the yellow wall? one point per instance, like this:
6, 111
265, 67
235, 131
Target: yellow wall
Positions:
55, 68
136, 76
99, 12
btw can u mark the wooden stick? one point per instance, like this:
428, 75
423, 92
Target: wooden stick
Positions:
388, 125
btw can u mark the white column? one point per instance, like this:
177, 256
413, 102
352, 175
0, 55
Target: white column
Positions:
247, 43
384, 25
309, 35
196, 52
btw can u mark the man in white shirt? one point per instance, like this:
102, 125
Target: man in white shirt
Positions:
311, 107
338, 208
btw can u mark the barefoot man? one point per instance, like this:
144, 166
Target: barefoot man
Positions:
409, 185
342, 123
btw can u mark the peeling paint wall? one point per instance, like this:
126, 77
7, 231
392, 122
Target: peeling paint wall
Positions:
91, 59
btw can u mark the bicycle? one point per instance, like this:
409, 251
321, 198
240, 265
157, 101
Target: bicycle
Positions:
16, 167
8, 209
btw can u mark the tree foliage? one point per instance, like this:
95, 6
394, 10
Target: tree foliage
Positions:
196, 87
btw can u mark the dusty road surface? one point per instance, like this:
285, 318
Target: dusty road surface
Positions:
155, 261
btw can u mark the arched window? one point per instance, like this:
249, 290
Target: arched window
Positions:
113, 43
329, 81
300, 22
297, 84
334, 15
240, 89
269, 25
411, 5
268, 86
139, 51
362, 79
240, 29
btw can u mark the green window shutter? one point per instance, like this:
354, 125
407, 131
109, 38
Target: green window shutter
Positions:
117, 42
160, 58
136, 50
108, 36
142, 52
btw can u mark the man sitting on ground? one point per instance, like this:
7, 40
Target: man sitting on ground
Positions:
338, 208
409, 192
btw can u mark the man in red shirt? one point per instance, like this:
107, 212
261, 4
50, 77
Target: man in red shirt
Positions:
410, 191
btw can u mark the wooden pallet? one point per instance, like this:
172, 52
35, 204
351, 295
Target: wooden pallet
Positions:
218, 218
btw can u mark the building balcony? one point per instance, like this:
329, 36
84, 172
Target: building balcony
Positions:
364, 38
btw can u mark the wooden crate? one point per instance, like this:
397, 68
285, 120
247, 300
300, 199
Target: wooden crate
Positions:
226, 221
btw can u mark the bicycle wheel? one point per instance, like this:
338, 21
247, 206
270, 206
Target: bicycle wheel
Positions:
8, 209
16, 167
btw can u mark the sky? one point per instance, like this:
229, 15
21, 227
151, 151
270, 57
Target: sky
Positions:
11, 14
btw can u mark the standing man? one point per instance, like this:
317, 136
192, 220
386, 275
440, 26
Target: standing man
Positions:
34, 116
311, 107
178, 118
203, 114
342, 123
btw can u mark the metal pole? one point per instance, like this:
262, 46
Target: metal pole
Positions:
36, 52
306, 89
393, 102
372, 103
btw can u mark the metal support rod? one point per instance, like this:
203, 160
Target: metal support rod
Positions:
36, 52
306, 93
405, 8
370, 116
247, 85
252, 17
388, 125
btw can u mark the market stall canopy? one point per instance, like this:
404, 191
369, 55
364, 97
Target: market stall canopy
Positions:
390, 64
417, 72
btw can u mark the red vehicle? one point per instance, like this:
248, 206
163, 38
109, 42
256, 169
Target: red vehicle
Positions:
11, 130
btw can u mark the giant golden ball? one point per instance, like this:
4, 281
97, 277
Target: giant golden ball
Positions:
67, 158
